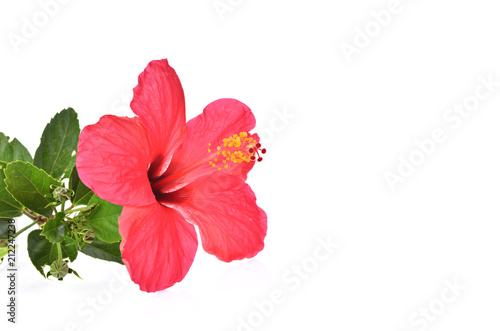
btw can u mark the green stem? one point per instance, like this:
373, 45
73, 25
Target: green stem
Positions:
28, 214
25, 228
71, 211
59, 251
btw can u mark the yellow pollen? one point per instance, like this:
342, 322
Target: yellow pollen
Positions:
237, 148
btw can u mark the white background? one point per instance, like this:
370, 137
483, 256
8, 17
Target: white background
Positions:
324, 177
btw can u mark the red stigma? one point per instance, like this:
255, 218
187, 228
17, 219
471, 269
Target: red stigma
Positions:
256, 150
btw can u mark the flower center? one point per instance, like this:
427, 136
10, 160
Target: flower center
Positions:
237, 149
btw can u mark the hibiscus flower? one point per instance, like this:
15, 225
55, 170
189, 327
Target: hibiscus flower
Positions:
171, 175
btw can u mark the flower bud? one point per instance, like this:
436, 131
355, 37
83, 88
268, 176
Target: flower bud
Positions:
60, 194
59, 269
89, 237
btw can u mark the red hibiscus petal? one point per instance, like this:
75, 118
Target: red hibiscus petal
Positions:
232, 226
220, 119
159, 102
158, 246
113, 160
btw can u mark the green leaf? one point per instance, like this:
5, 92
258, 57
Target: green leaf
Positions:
82, 193
21, 153
42, 252
70, 166
6, 151
13, 151
9, 207
69, 249
59, 141
4, 228
104, 251
104, 219
55, 230
29, 185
